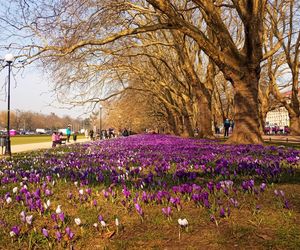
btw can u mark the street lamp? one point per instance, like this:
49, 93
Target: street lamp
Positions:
100, 120
9, 58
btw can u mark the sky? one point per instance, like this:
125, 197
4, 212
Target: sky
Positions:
31, 91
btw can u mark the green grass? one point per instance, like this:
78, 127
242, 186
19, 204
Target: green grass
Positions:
28, 139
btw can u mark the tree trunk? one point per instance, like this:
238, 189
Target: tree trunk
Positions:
247, 129
187, 130
205, 117
295, 125
262, 121
171, 119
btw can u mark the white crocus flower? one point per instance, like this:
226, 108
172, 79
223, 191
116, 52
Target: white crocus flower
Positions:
81, 191
103, 224
77, 221
58, 209
12, 234
29, 219
15, 190
8, 200
47, 204
183, 222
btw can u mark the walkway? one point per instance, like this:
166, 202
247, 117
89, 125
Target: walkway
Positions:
37, 146
282, 138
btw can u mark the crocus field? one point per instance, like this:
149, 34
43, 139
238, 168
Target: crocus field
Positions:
151, 192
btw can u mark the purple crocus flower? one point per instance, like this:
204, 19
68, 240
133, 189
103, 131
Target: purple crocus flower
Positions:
166, 211
61, 216
206, 203
95, 203
69, 233
58, 235
263, 187
88, 191
47, 192
100, 217
286, 204
126, 192
54, 217
45, 232
138, 209
222, 212
15, 231
105, 194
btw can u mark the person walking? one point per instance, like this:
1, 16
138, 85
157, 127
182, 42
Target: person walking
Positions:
68, 131
54, 139
91, 134
226, 127
125, 132
75, 136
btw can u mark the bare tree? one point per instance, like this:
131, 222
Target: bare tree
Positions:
87, 31
284, 19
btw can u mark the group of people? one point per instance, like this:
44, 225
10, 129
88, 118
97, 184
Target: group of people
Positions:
105, 134
227, 125
58, 137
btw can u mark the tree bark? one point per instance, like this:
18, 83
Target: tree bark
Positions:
205, 118
187, 125
295, 124
247, 129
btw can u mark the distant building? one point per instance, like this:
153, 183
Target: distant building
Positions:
279, 116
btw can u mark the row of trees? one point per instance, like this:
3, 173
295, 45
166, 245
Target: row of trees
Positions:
30, 121
184, 63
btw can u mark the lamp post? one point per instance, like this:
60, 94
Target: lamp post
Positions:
100, 120
9, 58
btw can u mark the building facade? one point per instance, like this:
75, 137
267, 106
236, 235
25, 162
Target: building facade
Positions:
278, 117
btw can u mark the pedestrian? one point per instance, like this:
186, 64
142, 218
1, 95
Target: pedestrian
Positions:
75, 136
91, 134
125, 132
226, 127
68, 131
53, 139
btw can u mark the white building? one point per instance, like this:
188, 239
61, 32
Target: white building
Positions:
278, 117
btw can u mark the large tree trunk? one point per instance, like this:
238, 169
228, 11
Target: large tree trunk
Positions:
295, 124
186, 126
205, 118
262, 122
247, 129
171, 119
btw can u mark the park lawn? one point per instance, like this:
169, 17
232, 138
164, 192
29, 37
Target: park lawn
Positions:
28, 139
100, 181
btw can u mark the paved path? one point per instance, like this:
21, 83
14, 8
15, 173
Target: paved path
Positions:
40, 145
282, 138
275, 138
